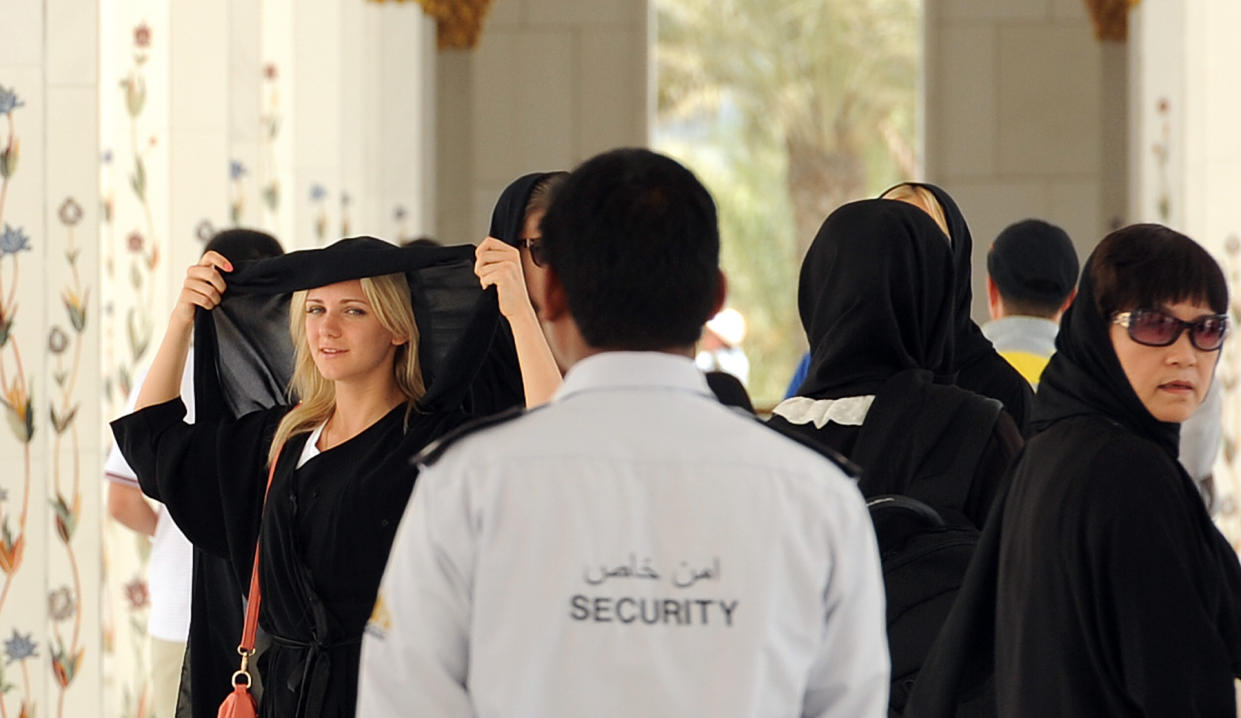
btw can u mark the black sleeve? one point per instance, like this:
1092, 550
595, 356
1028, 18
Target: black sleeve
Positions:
210, 475
992, 475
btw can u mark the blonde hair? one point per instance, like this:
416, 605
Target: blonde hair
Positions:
390, 300
923, 199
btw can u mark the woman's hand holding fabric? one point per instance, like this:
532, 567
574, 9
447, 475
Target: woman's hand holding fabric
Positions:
499, 264
204, 286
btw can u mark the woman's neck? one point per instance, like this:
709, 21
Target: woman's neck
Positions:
357, 408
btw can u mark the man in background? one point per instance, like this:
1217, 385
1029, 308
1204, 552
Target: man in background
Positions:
1031, 279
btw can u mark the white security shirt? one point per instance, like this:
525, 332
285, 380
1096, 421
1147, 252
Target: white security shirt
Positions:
632, 549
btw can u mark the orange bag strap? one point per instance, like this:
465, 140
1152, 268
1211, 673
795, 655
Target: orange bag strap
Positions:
246, 648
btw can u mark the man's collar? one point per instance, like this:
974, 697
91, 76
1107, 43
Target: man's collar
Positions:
633, 370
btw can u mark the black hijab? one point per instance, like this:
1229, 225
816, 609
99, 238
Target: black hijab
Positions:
1085, 377
244, 355
875, 298
979, 368
509, 216
971, 345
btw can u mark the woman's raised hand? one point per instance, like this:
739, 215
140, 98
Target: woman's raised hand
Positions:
500, 264
204, 286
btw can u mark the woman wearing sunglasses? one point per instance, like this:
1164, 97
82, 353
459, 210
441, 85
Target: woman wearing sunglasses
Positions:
1115, 593
511, 258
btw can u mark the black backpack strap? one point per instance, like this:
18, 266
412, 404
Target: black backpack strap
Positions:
924, 440
949, 471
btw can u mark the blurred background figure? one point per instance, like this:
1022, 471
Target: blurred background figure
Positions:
720, 346
1031, 277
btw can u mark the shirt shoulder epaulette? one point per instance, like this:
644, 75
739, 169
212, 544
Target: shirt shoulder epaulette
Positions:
434, 450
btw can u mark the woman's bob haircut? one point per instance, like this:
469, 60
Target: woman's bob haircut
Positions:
1149, 265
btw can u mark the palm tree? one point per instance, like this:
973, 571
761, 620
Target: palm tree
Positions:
816, 97
834, 82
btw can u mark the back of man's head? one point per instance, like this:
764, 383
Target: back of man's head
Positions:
632, 238
1034, 267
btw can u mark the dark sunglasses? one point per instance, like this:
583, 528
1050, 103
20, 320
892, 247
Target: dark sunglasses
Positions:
1157, 329
538, 254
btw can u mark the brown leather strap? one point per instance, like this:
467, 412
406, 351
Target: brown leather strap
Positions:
252, 608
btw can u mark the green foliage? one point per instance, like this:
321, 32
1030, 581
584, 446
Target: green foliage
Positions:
785, 110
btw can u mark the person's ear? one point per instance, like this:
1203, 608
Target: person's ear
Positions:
995, 305
1067, 302
399, 339
721, 291
552, 303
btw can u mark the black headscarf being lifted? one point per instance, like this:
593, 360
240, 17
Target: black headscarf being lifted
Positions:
244, 355
1085, 377
875, 298
509, 216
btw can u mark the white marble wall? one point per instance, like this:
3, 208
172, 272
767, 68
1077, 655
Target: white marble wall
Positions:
1022, 116
552, 83
130, 130
1186, 159
49, 356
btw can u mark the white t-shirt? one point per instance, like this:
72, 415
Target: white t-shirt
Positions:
634, 548
170, 567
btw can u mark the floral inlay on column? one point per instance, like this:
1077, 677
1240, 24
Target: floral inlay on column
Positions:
138, 321
399, 215
318, 195
15, 394
138, 600
1162, 150
1228, 373
237, 206
270, 120
18, 649
67, 656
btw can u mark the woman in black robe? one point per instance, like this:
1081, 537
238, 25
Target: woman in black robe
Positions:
342, 477
876, 300
510, 258
1102, 587
979, 367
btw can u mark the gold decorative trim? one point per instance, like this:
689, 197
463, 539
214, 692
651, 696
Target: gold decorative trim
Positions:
458, 23
1111, 18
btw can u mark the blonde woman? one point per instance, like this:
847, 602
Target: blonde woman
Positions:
341, 479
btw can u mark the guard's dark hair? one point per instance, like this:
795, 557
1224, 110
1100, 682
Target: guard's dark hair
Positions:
1148, 265
632, 236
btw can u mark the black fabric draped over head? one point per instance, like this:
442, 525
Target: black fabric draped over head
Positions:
970, 342
244, 355
875, 298
509, 216
1085, 377
978, 366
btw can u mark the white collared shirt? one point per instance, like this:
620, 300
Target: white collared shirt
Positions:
634, 548
169, 567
